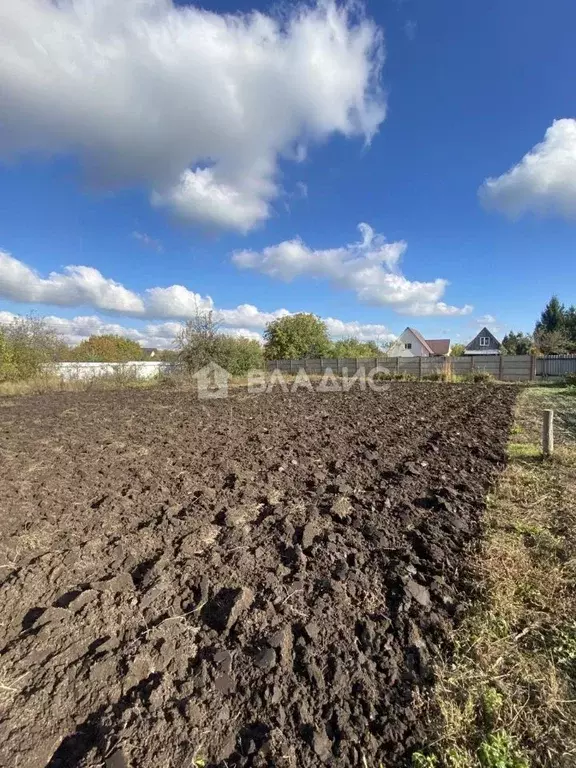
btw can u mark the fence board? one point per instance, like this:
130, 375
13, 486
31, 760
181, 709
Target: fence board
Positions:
507, 367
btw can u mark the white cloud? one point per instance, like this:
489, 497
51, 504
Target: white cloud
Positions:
148, 241
543, 182
162, 335
75, 286
197, 107
249, 315
175, 301
86, 286
339, 329
370, 268
486, 320
158, 335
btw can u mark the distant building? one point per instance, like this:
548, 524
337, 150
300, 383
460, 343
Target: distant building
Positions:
411, 343
484, 343
149, 352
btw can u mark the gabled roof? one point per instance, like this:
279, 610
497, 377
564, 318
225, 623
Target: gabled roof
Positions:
484, 332
439, 346
421, 339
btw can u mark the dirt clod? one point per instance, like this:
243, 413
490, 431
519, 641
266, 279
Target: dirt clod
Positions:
251, 582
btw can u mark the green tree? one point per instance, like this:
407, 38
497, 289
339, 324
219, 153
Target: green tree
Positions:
201, 342
517, 343
551, 342
31, 342
239, 355
352, 347
457, 350
8, 370
553, 316
295, 337
107, 348
570, 325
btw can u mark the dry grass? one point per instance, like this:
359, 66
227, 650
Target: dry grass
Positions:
507, 698
44, 384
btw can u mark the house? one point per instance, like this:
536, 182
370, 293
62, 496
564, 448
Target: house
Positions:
149, 352
485, 343
411, 343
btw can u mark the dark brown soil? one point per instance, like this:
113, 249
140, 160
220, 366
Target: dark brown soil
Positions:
258, 581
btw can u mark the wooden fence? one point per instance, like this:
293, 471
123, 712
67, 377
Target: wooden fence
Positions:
504, 367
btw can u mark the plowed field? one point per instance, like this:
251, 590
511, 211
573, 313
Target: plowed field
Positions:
257, 581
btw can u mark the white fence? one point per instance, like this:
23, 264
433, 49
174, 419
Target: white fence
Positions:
142, 369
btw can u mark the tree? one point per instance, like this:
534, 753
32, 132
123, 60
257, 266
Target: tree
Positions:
7, 368
107, 348
197, 342
551, 342
517, 343
570, 325
553, 316
31, 342
457, 350
295, 337
352, 347
239, 355
201, 342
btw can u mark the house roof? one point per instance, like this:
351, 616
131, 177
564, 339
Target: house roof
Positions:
484, 332
439, 346
421, 339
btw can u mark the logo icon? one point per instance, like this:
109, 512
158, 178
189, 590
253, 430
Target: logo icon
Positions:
212, 381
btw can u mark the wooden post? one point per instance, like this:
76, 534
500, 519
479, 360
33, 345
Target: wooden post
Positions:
321, 366
501, 367
532, 367
472, 363
420, 367
291, 367
338, 366
548, 433
397, 365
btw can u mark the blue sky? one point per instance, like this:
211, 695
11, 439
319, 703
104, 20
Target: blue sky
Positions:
293, 161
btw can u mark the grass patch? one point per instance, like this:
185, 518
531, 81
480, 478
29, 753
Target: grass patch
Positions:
42, 384
507, 697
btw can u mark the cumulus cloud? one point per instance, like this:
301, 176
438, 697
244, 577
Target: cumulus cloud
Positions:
197, 107
370, 268
339, 329
486, 320
75, 286
158, 335
543, 182
162, 335
85, 286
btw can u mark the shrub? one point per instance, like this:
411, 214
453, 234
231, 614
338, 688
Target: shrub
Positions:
8, 370
570, 380
107, 348
436, 376
477, 377
297, 336
27, 344
200, 342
